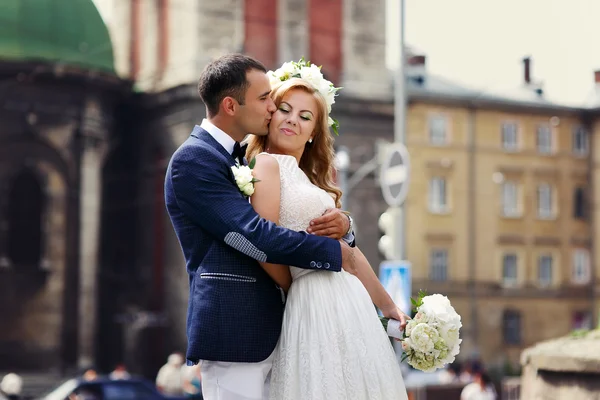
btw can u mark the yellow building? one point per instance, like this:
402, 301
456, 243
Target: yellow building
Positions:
498, 211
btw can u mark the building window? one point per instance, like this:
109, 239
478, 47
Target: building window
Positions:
509, 269
581, 266
580, 141
438, 265
544, 200
544, 139
438, 202
25, 207
438, 130
579, 203
510, 140
510, 199
545, 270
511, 327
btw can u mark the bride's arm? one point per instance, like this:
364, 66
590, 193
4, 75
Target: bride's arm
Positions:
377, 292
265, 200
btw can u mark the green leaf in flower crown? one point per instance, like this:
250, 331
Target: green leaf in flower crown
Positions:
335, 127
252, 163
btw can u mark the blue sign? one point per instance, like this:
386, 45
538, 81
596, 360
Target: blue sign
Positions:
395, 276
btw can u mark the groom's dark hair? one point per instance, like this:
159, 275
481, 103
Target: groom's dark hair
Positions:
226, 76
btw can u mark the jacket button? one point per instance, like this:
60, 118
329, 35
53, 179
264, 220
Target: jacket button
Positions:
319, 265
313, 264
327, 265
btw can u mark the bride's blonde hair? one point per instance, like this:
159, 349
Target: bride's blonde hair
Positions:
317, 160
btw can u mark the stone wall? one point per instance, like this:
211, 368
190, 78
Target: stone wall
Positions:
564, 368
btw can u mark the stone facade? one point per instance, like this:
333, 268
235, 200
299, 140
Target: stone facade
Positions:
475, 234
52, 140
565, 368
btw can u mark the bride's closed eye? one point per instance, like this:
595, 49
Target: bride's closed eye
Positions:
306, 117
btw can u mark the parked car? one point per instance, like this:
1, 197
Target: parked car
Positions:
103, 388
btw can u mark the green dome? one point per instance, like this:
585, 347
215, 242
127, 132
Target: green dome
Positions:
67, 31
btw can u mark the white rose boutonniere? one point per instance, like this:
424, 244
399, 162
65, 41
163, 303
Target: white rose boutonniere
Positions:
244, 177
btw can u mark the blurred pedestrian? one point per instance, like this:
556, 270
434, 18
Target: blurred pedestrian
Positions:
169, 377
119, 373
466, 374
90, 375
192, 382
11, 386
481, 388
450, 374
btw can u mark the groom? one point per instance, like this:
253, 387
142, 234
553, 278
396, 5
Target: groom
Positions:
235, 309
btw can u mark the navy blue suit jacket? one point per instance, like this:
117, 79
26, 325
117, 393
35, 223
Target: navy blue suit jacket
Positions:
235, 309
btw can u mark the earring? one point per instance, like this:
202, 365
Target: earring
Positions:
310, 140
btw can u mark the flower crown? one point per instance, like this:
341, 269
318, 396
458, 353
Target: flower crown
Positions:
312, 74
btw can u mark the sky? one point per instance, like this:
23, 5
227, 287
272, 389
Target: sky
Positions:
480, 43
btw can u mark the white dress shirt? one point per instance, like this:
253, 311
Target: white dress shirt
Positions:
224, 139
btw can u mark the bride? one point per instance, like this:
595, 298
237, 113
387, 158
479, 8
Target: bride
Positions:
332, 345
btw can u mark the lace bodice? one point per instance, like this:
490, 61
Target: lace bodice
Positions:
301, 201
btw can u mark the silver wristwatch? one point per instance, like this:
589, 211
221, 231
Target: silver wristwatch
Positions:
351, 224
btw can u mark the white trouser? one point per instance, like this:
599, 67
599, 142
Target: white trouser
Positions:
235, 381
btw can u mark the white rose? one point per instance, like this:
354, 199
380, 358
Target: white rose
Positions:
312, 75
287, 70
423, 338
243, 177
439, 307
330, 98
450, 335
273, 79
248, 189
327, 90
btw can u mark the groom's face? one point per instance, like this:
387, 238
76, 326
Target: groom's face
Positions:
254, 116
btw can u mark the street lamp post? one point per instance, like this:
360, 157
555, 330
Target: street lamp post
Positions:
400, 125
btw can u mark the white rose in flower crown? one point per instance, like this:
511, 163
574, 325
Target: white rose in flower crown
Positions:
287, 70
273, 79
312, 75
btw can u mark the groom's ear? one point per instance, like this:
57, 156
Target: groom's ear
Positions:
229, 105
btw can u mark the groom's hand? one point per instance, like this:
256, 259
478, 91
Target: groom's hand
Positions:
333, 223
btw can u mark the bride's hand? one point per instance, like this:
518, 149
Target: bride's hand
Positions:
392, 311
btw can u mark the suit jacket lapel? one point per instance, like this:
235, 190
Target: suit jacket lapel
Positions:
203, 135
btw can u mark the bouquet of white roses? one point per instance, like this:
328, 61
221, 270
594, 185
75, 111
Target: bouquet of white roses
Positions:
431, 339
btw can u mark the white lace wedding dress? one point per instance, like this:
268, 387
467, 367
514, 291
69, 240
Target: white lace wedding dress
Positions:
332, 345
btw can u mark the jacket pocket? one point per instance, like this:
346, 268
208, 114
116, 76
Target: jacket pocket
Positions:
227, 277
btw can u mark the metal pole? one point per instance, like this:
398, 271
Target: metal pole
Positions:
343, 165
400, 124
